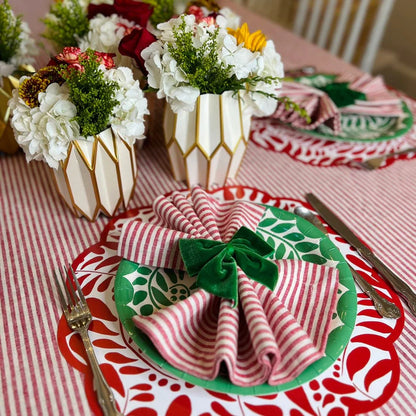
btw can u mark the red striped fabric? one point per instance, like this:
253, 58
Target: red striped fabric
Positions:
151, 245
259, 342
39, 234
199, 216
317, 104
379, 207
379, 101
272, 337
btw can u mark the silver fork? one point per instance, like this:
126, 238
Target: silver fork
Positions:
376, 162
79, 317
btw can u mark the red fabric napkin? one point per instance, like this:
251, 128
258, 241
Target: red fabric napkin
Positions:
272, 336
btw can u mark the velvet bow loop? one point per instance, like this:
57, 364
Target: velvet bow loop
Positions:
215, 262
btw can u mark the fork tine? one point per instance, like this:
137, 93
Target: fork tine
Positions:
79, 290
69, 303
71, 293
60, 294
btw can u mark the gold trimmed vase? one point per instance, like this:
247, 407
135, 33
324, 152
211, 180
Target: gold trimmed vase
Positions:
206, 146
97, 176
8, 143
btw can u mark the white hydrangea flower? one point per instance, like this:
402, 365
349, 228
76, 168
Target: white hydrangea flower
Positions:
269, 65
243, 60
27, 50
44, 132
273, 65
105, 34
164, 74
127, 118
25, 55
232, 20
5, 70
172, 83
166, 28
260, 104
169, 80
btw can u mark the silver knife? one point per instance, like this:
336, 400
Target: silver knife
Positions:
383, 306
404, 290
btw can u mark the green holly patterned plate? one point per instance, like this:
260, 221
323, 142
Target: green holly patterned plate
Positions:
142, 289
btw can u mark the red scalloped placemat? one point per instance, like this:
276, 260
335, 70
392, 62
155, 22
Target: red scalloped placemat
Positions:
363, 378
319, 152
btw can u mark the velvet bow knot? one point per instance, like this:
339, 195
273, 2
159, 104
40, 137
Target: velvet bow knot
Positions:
215, 262
342, 95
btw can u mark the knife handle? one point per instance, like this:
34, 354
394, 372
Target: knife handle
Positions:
402, 288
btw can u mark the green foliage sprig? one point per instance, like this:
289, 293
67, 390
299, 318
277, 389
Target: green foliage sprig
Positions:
163, 10
201, 65
92, 94
10, 30
206, 72
67, 23
291, 105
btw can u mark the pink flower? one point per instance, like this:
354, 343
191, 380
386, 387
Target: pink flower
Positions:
127, 29
78, 67
105, 59
209, 20
70, 55
200, 16
197, 12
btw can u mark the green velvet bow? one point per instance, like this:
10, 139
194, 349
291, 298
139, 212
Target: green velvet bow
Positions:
341, 94
215, 263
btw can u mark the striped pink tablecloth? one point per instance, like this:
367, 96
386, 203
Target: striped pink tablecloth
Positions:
38, 234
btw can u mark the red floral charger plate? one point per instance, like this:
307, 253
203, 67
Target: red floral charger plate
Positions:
363, 378
316, 151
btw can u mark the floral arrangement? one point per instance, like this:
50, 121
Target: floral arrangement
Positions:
16, 46
208, 10
66, 23
162, 10
101, 25
78, 95
193, 57
122, 27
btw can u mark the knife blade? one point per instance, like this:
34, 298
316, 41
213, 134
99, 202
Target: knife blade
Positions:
402, 288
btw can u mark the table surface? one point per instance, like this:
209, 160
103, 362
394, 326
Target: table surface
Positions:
38, 234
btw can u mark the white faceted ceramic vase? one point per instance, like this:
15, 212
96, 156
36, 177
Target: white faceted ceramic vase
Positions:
206, 146
97, 176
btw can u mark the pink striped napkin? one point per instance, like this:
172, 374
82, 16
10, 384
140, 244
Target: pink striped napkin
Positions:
272, 336
320, 108
380, 101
